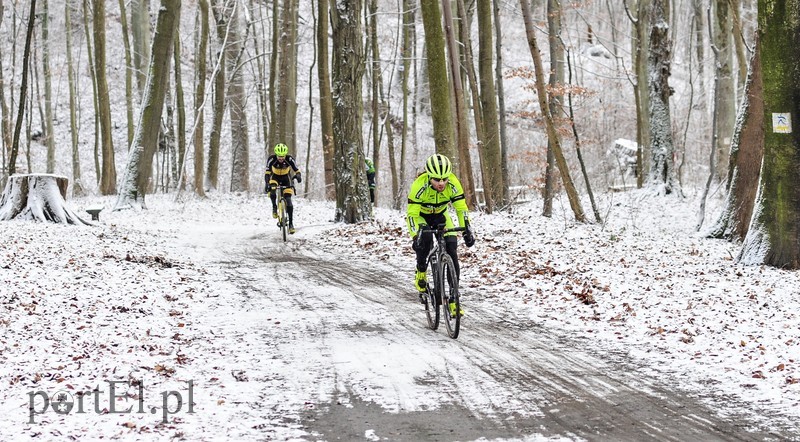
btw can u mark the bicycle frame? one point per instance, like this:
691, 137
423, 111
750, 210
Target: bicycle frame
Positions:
283, 223
440, 264
438, 248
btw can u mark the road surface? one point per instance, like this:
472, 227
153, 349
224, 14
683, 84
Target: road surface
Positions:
337, 348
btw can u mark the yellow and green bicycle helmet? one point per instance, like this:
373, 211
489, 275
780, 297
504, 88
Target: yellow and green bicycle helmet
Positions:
281, 150
438, 166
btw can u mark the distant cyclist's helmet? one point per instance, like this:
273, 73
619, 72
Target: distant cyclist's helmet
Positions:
281, 150
438, 166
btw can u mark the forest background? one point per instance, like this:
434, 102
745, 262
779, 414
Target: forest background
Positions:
620, 95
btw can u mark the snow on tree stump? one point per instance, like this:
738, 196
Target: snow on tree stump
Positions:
40, 197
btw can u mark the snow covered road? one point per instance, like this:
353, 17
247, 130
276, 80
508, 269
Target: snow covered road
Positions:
337, 349
322, 339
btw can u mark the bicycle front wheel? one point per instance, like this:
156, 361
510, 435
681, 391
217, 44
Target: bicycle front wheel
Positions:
432, 300
451, 302
284, 219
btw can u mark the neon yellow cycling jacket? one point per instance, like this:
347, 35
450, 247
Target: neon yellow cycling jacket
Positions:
423, 199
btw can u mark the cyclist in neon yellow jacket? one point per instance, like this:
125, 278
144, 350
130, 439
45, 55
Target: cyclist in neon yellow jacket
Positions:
430, 195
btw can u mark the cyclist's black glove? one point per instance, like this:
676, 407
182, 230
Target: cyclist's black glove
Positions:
469, 239
297, 178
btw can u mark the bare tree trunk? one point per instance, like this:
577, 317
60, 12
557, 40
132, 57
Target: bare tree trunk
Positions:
219, 98
389, 120
578, 151
36, 93
216, 129
375, 65
747, 150
12, 162
774, 234
48, 90
699, 46
6, 122
612, 8
306, 185
140, 23
477, 107
691, 104
86, 20
140, 158
36, 97
263, 110
464, 163
716, 145
725, 88
325, 98
273, 75
389, 128
264, 78
556, 77
199, 100
180, 105
128, 74
437, 75
240, 150
170, 165
108, 179
77, 185
501, 102
663, 176
739, 44
286, 113
492, 161
552, 135
405, 74
352, 196
29, 120
640, 42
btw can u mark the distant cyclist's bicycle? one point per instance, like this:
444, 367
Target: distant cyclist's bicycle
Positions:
283, 217
442, 284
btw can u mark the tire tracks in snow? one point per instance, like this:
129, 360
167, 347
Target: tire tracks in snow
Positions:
365, 363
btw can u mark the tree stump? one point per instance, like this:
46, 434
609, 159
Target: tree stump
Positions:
40, 197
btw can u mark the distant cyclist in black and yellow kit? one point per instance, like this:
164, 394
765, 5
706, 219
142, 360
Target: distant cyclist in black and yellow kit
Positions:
279, 166
430, 195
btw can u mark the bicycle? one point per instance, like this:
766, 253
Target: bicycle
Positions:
445, 284
283, 217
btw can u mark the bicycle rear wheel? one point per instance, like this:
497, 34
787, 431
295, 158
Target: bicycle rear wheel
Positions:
431, 296
283, 219
451, 301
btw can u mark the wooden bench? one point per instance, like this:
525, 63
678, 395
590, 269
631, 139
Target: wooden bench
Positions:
621, 188
95, 212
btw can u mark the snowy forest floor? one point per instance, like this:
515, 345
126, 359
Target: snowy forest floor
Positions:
146, 297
